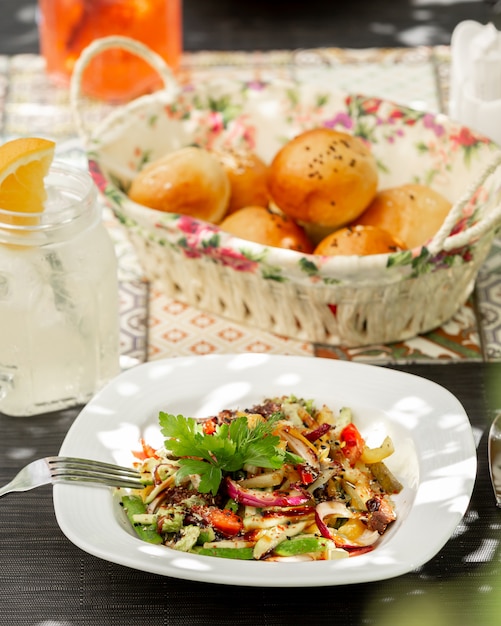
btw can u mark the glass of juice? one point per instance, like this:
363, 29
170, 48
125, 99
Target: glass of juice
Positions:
66, 27
58, 300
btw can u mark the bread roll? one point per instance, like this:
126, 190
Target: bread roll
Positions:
248, 175
413, 213
358, 240
189, 181
323, 179
263, 226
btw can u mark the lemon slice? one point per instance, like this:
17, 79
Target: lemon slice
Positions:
24, 163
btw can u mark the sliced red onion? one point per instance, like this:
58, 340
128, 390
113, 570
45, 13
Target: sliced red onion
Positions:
303, 448
157, 479
331, 507
358, 550
154, 504
259, 498
324, 509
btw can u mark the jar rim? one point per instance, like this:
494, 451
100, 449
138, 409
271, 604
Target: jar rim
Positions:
75, 196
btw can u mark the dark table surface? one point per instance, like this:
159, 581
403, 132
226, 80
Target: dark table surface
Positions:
46, 580
272, 24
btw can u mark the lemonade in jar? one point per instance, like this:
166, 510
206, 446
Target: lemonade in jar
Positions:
66, 27
59, 339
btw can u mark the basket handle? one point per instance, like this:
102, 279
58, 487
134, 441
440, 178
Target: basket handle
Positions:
98, 46
444, 241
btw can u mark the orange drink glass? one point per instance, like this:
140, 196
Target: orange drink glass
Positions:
66, 27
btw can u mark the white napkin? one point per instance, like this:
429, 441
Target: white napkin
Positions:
475, 90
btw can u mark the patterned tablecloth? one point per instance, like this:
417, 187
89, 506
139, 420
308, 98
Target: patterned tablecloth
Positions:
154, 325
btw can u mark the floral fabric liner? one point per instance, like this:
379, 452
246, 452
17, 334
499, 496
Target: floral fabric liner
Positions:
409, 145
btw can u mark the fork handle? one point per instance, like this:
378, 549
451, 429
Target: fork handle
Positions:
11, 487
6, 489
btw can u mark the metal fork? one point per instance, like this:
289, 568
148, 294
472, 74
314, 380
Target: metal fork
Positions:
59, 469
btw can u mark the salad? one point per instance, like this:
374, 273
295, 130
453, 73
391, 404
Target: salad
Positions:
280, 481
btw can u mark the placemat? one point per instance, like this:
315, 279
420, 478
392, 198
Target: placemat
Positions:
31, 104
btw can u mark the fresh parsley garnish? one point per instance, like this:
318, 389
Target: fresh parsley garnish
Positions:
228, 449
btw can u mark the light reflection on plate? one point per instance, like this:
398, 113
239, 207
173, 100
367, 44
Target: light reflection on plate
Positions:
435, 459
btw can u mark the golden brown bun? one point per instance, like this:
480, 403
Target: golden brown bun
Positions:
248, 175
358, 240
188, 181
413, 213
261, 225
323, 177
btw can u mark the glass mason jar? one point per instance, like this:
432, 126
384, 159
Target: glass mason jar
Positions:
59, 331
66, 27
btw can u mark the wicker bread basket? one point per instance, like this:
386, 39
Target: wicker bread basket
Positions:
349, 301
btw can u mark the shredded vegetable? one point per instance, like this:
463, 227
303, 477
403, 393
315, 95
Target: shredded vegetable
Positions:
281, 481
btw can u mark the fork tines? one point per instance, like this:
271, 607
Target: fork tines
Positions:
84, 470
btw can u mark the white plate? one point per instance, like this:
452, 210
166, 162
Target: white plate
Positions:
435, 459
